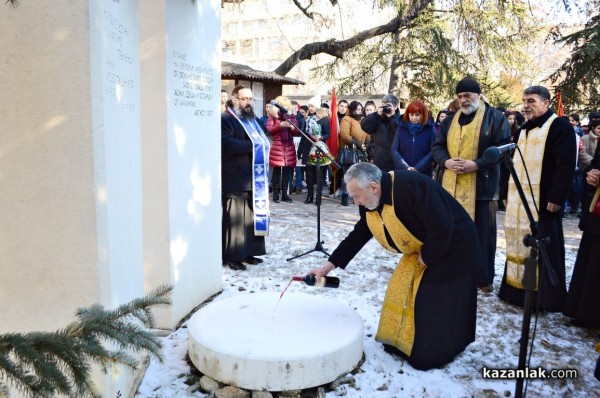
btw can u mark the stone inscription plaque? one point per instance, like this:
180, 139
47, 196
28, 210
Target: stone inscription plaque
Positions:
192, 85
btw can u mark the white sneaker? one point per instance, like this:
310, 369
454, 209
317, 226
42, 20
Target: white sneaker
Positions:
303, 184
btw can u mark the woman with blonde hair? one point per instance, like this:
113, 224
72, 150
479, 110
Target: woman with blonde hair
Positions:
282, 157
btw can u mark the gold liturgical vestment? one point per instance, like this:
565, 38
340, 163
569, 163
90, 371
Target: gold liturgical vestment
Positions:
463, 142
595, 200
397, 320
516, 223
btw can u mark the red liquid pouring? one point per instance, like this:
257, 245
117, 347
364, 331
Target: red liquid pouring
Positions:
294, 278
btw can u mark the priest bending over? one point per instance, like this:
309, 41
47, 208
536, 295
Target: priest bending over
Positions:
429, 311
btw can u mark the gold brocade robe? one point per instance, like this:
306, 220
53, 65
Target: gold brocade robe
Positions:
516, 222
397, 320
595, 199
463, 142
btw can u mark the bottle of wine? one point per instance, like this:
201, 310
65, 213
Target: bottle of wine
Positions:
311, 280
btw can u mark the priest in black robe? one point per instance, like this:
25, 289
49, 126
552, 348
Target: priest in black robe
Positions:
583, 299
244, 189
429, 312
547, 143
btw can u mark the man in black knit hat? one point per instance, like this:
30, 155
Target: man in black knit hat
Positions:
458, 150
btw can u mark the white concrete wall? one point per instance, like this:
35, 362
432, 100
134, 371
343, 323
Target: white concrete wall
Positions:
48, 256
115, 77
115, 98
180, 66
94, 211
70, 161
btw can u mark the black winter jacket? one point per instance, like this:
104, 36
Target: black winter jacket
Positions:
236, 156
494, 132
382, 130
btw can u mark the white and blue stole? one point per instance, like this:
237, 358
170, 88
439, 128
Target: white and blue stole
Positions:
260, 171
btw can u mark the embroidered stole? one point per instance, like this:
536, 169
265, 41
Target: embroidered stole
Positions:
397, 320
516, 223
595, 200
463, 142
260, 170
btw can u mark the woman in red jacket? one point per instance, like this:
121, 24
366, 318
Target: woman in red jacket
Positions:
282, 157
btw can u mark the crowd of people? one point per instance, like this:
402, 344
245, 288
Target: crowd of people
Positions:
425, 189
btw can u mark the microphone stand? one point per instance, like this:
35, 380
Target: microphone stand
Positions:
319, 245
537, 242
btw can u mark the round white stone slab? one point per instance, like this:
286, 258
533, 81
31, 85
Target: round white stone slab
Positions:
253, 341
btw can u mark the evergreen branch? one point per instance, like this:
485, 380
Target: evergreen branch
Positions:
16, 376
47, 364
25, 363
67, 358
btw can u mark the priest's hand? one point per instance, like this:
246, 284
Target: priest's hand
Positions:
324, 270
469, 166
593, 177
553, 208
461, 166
455, 165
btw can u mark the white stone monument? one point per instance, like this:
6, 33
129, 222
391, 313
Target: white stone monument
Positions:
259, 342
180, 94
109, 185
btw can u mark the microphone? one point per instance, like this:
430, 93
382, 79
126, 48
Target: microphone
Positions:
278, 106
493, 154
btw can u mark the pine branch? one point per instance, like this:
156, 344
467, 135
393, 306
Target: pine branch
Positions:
47, 364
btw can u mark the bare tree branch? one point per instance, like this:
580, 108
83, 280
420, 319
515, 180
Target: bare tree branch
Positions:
337, 48
223, 2
305, 9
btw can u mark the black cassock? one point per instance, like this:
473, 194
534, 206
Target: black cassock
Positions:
238, 239
446, 301
583, 299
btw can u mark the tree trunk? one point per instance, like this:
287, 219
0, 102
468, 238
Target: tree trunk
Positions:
394, 84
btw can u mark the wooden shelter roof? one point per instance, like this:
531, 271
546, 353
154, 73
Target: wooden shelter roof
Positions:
230, 70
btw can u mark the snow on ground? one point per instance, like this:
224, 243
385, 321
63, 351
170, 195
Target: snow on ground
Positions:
363, 283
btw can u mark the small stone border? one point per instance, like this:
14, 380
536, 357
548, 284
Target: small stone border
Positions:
199, 382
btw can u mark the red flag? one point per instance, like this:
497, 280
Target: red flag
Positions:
560, 108
334, 126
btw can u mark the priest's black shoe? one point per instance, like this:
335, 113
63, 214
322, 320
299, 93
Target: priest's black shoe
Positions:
253, 260
345, 199
234, 265
286, 198
308, 200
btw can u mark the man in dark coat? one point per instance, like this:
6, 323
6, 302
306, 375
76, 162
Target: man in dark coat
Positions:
547, 143
244, 187
410, 213
381, 126
458, 150
583, 300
